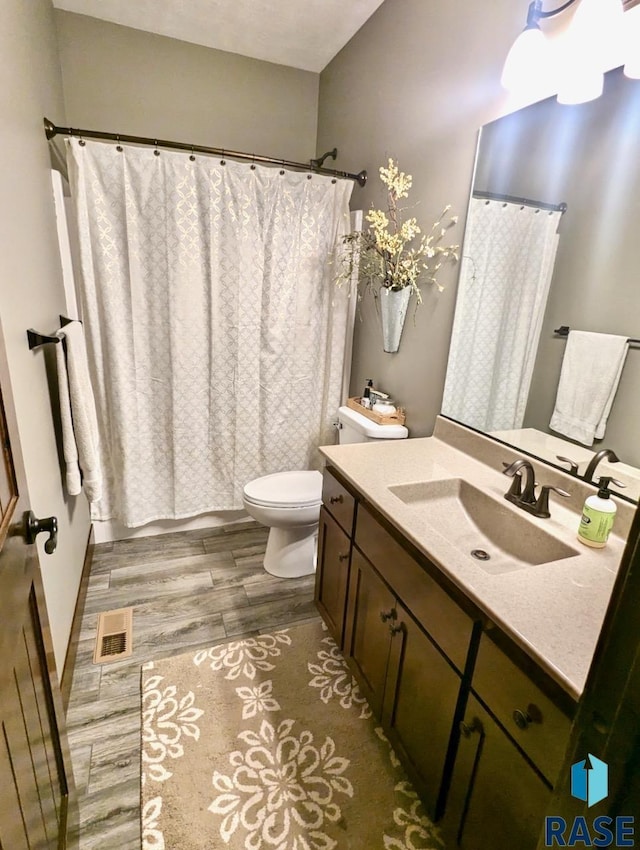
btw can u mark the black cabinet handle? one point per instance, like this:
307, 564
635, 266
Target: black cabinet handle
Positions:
34, 526
467, 729
395, 630
522, 719
343, 557
335, 499
391, 614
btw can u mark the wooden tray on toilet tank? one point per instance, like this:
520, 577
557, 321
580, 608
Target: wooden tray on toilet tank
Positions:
396, 418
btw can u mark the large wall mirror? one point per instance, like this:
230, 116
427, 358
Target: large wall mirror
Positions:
552, 240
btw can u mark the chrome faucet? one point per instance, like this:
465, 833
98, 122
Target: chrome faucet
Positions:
603, 454
525, 498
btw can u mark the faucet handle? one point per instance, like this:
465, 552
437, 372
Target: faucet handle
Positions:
542, 504
573, 466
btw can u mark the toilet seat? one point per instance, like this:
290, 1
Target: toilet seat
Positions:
299, 489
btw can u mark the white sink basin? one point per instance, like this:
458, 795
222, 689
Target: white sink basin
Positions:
487, 530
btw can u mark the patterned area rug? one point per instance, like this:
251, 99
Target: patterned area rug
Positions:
267, 744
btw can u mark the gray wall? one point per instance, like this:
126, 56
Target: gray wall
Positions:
31, 293
416, 83
586, 156
123, 80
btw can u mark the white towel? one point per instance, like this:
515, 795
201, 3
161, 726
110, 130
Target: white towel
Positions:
589, 378
78, 414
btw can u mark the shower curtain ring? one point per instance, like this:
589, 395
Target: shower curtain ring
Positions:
223, 161
253, 162
282, 169
192, 157
118, 145
156, 151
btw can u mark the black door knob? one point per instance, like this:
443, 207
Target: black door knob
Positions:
33, 526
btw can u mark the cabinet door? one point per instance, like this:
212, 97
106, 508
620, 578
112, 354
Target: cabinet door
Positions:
497, 799
420, 703
370, 609
332, 574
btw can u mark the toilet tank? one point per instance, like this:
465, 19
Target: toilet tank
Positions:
356, 428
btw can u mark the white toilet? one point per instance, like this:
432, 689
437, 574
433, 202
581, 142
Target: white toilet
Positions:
289, 502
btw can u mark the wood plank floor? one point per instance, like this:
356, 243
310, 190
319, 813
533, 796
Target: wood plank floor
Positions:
189, 590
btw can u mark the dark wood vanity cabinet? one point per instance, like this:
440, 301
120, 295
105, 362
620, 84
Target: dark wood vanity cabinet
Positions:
395, 616
332, 574
421, 698
335, 534
371, 607
496, 798
510, 753
480, 735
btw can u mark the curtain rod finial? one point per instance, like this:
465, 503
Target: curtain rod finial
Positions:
361, 177
49, 129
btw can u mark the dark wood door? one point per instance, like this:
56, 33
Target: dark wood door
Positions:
34, 790
332, 574
370, 612
497, 799
420, 705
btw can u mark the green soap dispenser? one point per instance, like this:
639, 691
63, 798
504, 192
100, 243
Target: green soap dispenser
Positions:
598, 515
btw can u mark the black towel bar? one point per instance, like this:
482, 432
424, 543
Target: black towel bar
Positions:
563, 330
35, 338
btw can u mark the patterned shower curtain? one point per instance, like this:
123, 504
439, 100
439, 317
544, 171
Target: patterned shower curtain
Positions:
216, 338
508, 258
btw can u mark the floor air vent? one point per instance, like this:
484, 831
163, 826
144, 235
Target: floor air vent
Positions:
115, 636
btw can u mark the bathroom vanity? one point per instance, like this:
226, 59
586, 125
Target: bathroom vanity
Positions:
473, 667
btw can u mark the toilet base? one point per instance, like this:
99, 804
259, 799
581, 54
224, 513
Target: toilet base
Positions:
291, 552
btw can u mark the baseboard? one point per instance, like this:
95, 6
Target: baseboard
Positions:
74, 637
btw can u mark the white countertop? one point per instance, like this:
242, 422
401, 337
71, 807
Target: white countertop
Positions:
554, 611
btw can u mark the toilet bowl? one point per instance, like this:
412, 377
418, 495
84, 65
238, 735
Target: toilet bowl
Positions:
289, 502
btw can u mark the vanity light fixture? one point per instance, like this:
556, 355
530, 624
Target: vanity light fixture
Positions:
573, 64
531, 53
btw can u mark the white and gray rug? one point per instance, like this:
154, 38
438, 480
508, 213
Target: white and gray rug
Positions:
267, 744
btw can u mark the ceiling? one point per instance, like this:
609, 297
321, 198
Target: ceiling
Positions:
303, 34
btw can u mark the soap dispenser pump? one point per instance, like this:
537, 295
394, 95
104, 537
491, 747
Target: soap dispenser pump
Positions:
366, 396
598, 515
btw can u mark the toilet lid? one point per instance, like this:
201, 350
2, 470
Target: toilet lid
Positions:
286, 489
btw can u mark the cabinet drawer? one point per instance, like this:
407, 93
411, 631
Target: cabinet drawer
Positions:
338, 501
530, 717
432, 607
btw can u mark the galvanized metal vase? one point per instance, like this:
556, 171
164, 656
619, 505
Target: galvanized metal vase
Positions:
393, 309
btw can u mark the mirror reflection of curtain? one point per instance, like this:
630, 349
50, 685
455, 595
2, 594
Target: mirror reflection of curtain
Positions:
509, 253
216, 337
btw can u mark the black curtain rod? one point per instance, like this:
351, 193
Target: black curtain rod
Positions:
526, 202
563, 330
314, 165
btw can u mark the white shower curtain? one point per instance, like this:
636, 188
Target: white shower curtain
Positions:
508, 258
215, 335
